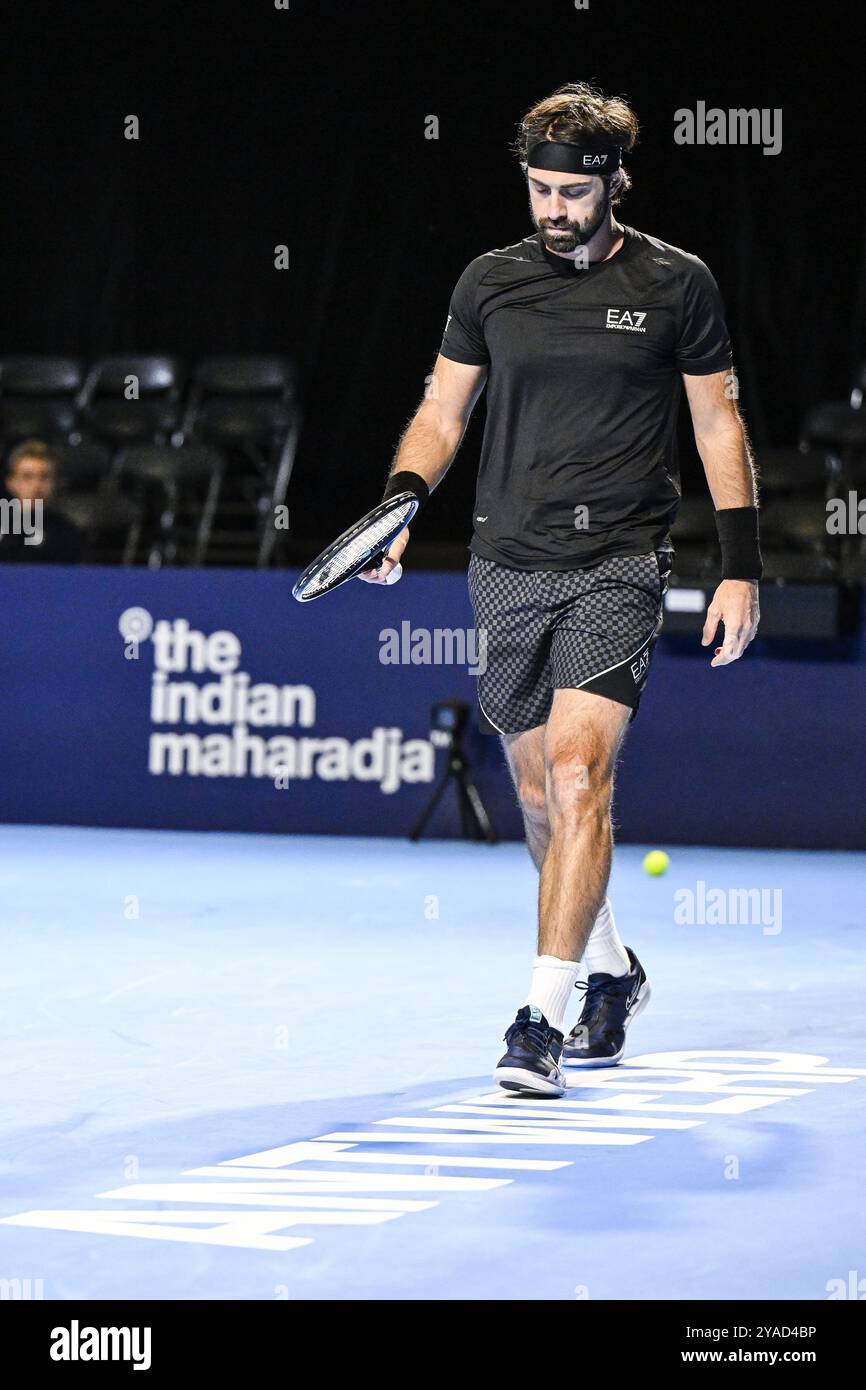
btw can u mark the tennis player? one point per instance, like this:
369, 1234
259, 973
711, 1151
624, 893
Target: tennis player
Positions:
582, 333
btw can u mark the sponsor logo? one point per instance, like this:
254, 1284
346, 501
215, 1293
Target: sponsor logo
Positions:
279, 1199
212, 719
631, 320
640, 667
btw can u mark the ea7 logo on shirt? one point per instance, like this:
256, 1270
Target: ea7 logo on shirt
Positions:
629, 319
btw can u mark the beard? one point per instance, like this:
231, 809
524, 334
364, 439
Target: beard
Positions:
565, 235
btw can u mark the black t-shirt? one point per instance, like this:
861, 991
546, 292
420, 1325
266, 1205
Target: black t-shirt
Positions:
579, 455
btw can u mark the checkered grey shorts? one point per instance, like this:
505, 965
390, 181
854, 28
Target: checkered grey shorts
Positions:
590, 629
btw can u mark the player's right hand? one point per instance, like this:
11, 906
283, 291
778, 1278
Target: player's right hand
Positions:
390, 562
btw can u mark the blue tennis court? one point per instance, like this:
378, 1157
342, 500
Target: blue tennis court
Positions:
253, 1067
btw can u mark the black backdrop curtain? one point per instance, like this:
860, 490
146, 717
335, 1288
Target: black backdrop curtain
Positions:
306, 127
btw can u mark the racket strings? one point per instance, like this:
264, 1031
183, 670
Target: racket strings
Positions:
364, 544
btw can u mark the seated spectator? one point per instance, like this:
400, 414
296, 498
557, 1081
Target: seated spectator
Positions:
31, 527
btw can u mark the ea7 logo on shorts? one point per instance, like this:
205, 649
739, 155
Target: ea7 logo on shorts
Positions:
629, 319
640, 666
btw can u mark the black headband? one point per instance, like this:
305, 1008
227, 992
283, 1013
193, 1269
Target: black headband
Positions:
574, 159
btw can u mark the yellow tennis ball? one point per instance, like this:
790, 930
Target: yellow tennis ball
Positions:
656, 862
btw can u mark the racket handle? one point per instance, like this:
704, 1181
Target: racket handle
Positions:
395, 574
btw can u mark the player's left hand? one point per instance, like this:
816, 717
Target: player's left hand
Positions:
735, 603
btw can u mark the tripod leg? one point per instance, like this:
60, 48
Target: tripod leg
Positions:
468, 819
418, 829
477, 809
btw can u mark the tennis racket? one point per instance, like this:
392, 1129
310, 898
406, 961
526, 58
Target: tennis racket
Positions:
362, 547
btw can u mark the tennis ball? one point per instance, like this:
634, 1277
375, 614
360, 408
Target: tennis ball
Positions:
656, 862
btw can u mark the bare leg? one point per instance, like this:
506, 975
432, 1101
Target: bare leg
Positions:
524, 754
581, 741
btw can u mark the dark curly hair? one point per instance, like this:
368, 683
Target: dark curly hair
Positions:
576, 112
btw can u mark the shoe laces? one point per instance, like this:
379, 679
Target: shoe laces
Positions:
538, 1038
595, 995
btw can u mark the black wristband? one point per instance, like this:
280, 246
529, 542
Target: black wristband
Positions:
405, 481
738, 538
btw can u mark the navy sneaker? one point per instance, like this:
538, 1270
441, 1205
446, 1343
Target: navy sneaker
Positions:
531, 1064
610, 1004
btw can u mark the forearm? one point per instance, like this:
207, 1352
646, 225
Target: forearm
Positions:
729, 465
428, 445
730, 471
723, 445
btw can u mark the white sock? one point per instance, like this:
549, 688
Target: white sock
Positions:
605, 953
552, 983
